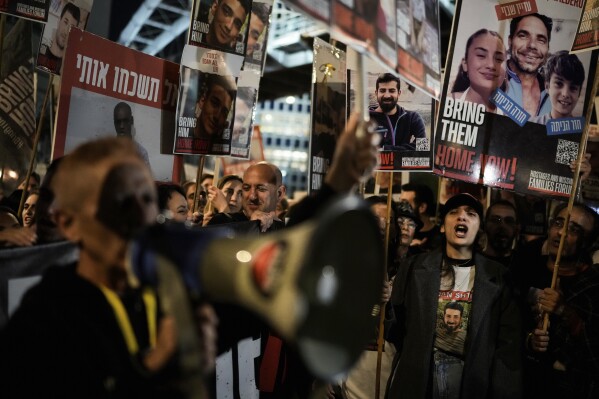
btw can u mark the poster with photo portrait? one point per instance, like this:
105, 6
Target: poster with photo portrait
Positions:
220, 25
257, 36
406, 143
135, 98
245, 108
35, 10
487, 122
204, 113
62, 16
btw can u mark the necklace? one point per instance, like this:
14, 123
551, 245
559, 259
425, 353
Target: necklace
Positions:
459, 264
466, 273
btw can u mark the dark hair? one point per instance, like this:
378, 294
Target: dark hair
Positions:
502, 202
36, 176
455, 306
165, 192
386, 78
187, 184
589, 238
423, 195
548, 22
211, 80
46, 229
565, 65
73, 10
246, 4
227, 178
462, 82
206, 176
262, 11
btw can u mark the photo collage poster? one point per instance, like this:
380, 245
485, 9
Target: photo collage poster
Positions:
110, 90
492, 131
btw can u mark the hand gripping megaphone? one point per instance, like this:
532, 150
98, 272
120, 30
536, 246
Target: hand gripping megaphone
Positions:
316, 283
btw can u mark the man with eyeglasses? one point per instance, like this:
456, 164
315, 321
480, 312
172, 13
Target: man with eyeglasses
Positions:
564, 361
502, 229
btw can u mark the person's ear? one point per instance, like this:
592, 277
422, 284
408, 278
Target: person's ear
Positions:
442, 229
68, 225
464, 65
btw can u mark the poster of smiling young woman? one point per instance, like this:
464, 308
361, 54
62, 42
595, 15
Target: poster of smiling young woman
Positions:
513, 97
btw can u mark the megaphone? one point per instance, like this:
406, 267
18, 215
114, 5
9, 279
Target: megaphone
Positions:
316, 284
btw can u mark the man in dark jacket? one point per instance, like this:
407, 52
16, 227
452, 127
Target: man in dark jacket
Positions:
398, 128
431, 362
85, 331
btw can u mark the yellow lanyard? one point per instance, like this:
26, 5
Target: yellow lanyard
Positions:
122, 318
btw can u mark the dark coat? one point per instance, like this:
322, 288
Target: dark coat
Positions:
492, 358
64, 341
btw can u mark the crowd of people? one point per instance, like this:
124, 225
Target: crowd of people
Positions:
465, 296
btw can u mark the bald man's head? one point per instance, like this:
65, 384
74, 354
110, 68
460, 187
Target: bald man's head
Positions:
262, 188
123, 119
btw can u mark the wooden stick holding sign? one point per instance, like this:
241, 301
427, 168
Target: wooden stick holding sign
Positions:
209, 205
581, 152
38, 133
380, 341
196, 198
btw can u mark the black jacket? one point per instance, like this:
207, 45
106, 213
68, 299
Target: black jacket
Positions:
408, 128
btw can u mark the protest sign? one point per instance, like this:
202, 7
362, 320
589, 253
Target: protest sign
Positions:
245, 106
17, 106
206, 102
111, 90
587, 37
36, 10
236, 166
502, 120
257, 35
220, 25
329, 108
62, 17
419, 44
406, 132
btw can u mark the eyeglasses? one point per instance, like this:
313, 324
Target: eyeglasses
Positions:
409, 223
508, 220
573, 228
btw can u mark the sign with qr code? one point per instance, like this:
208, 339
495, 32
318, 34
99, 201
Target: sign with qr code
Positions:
492, 128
